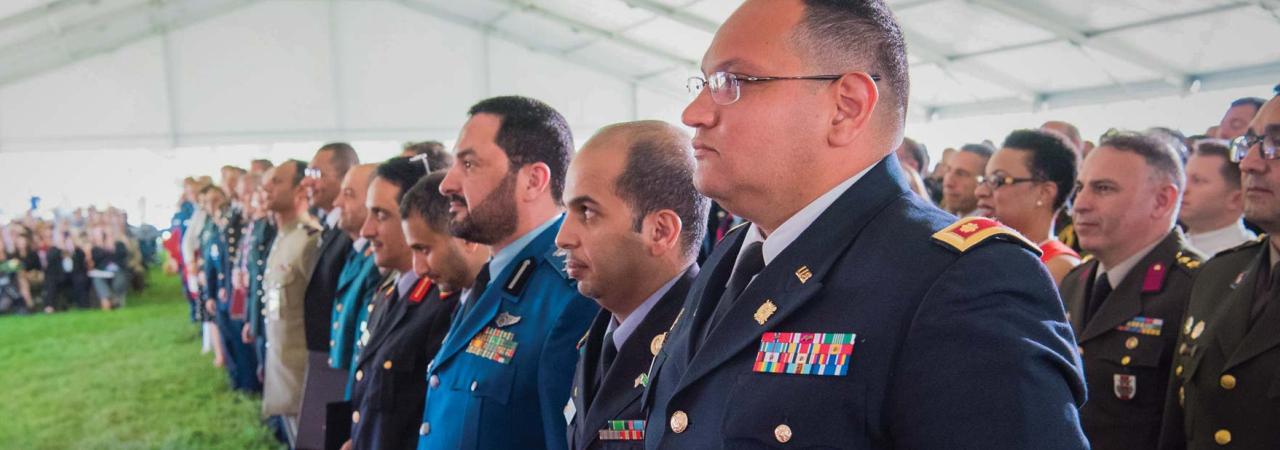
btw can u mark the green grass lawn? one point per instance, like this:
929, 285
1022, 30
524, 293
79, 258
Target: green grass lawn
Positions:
132, 378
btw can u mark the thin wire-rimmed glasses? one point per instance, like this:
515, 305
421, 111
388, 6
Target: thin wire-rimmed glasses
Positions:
726, 87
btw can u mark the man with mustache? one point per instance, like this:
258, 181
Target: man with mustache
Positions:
502, 378
634, 228
1125, 304
850, 313
1224, 392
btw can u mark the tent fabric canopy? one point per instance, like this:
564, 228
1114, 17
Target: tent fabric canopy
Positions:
165, 73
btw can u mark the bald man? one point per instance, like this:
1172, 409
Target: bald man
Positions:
631, 236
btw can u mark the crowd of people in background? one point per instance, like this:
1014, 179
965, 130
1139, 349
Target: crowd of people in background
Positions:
85, 259
1049, 291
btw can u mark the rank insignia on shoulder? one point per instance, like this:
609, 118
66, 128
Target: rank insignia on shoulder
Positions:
824, 354
968, 232
505, 319
623, 430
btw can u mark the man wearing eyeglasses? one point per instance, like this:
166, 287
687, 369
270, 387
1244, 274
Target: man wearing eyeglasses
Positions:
1225, 393
849, 313
1126, 303
324, 384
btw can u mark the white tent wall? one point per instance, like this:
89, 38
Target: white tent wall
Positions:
276, 79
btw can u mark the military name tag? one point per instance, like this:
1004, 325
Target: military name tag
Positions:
623, 430
1143, 325
493, 344
1124, 386
805, 353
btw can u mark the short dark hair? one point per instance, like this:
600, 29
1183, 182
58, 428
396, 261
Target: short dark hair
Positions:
1255, 102
437, 156
531, 132
918, 152
402, 172
1051, 160
300, 173
424, 200
1230, 170
344, 156
658, 175
844, 32
1159, 155
984, 150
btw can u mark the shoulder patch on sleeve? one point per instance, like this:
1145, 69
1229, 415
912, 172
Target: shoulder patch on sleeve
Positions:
969, 232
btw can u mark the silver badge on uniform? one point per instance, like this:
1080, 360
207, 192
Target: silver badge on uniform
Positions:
1124, 386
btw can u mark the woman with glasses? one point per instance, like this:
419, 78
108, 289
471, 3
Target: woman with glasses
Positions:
1027, 183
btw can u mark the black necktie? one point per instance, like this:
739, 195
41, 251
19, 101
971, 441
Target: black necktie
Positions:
608, 353
750, 264
1101, 289
477, 289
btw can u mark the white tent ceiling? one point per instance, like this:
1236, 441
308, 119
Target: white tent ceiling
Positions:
172, 73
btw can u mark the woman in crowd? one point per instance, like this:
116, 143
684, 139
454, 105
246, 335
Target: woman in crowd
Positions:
1027, 183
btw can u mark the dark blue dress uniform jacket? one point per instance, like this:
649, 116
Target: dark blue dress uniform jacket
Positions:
955, 349
475, 401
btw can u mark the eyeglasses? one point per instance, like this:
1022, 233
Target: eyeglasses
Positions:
1240, 146
312, 173
995, 181
726, 87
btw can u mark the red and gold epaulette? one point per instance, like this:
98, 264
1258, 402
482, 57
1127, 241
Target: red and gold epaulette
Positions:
420, 290
968, 232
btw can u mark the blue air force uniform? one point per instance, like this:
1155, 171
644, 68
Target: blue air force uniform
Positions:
879, 327
502, 378
261, 235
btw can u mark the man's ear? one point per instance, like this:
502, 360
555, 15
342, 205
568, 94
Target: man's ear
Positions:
856, 96
661, 232
534, 181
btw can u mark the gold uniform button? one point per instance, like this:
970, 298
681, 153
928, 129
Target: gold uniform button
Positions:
679, 422
339, 307
1227, 382
335, 325
1177, 371
331, 343
1080, 348
1222, 437
435, 382
355, 417
782, 433
425, 429
359, 375
387, 365
1130, 343
1125, 360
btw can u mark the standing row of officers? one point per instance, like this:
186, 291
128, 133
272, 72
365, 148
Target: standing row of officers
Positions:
516, 295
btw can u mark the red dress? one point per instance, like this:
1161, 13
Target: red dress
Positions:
1052, 248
